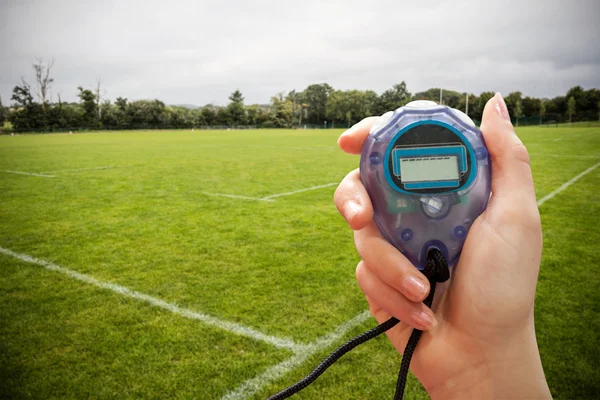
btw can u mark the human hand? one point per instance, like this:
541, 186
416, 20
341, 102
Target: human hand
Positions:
480, 342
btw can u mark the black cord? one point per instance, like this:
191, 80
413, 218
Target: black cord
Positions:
333, 357
436, 271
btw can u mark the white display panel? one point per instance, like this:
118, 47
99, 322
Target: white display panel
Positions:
427, 169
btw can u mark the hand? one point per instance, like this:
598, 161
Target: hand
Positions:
480, 342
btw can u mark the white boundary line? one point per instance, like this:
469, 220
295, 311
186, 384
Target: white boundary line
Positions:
566, 185
301, 351
78, 169
251, 386
283, 343
256, 384
300, 191
272, 196
235, 196
29, 173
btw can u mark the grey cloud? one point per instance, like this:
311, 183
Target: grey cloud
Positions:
199, 51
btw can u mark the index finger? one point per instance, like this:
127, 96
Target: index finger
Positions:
352, 140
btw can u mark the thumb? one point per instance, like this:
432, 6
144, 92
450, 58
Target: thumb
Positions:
512, 181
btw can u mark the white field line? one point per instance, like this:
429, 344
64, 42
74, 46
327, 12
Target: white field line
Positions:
235, 196
300, 191
273, 196
29, 173
566, 185
232, 327
78, 169
254, 385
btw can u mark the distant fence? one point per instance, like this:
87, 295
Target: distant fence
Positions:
548, 121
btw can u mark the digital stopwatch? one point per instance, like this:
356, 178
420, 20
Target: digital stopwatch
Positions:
427, 171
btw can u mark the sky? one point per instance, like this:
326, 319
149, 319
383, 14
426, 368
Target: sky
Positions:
198, 52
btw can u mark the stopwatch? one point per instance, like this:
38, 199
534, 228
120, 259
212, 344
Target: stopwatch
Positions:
427, 171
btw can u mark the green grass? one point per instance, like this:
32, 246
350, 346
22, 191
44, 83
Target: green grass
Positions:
285, 268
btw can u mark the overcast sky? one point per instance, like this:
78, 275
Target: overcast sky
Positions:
198, 52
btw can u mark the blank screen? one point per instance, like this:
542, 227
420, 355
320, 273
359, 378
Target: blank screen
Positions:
426, 169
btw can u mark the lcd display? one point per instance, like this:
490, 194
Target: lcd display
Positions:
427, 169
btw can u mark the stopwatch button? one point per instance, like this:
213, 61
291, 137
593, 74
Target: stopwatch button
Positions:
460, 232
464, 117
406, 235
421, 104
434, 207
381, 121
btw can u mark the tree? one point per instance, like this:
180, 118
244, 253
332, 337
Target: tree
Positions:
43, 80
571, 107
392, 98
90, 107
147, 114
236, 109
480, 103
531, 107
223, 117
28, 116
598, 105
256, 115
22, 94
315, 97
542, 110
209, 115
123, 120
350, 106
281, 112
2, 113
518, 110
511, 102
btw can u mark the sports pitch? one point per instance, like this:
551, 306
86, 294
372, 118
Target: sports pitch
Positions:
213, 264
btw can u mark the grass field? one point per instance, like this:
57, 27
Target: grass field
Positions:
125, 272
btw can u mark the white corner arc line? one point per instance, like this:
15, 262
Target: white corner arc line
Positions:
235, 196
29, 173
78, 169
253, 385
300, 191
565, 185
283, 343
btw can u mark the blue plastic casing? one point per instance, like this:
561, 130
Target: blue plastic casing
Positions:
427, 171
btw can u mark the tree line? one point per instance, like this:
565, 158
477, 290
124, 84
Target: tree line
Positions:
319, 105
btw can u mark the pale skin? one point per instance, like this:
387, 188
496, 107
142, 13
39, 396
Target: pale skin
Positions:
479, 340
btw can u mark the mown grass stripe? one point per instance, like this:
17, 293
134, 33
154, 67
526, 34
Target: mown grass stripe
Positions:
254, 385
232, 327
566, 185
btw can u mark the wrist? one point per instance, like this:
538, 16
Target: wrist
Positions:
509, 369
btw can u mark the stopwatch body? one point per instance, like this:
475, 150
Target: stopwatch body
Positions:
427, 171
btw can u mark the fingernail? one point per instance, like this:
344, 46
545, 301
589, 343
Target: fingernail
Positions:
351, 209
424, 319
500, 107
415, 287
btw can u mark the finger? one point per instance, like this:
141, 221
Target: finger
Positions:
511, 172
376, 311
353, 202
352, 140
398, 334
390, 266
417, 315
